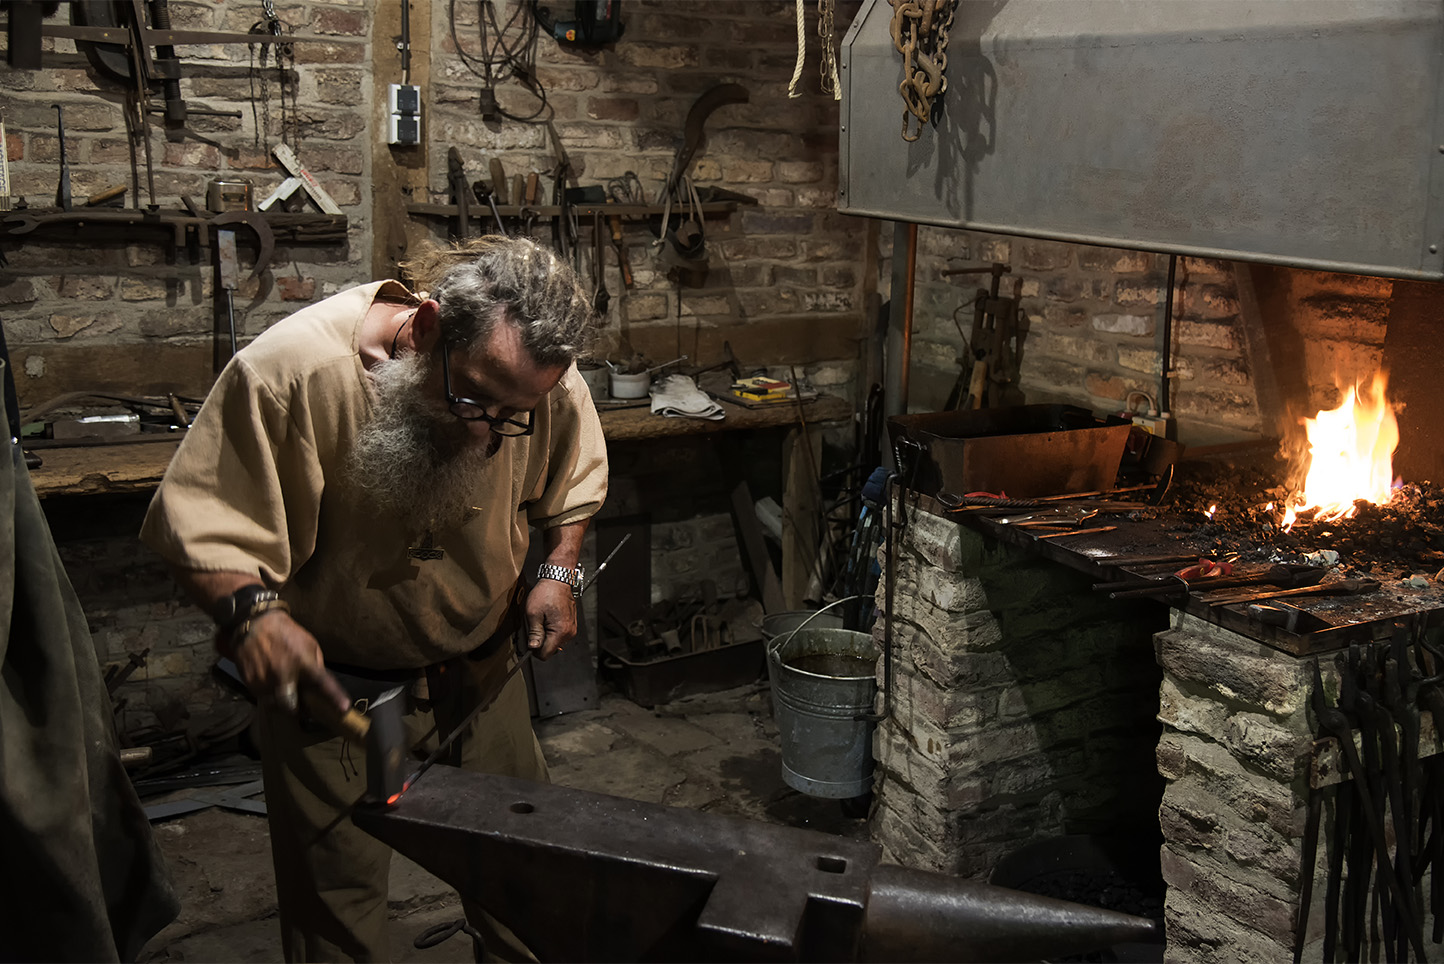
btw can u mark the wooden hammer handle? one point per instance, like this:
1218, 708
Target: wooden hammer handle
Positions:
352, 724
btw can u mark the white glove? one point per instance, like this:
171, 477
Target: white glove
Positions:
679, 397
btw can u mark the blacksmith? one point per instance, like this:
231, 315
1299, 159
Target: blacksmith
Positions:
355, 496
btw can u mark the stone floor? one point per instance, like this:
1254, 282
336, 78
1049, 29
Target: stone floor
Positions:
717, 752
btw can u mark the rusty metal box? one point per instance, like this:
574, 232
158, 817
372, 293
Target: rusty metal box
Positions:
684, 674
1022, 451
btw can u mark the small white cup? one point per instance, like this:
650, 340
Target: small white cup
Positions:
630, 386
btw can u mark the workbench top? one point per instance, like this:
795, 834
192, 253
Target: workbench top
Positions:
138, 467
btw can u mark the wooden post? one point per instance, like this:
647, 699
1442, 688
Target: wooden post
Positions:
395, 169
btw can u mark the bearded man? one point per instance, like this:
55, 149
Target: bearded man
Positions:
354, 498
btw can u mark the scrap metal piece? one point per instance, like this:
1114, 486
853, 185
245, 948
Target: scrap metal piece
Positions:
649, 882
62, 189
694, 136
265, 237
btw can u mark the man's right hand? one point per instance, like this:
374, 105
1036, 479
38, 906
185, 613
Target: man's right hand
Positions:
278, 655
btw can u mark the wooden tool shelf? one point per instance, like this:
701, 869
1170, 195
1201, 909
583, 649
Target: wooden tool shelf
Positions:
291, 228
480, 209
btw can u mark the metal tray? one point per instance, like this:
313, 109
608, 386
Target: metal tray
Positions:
1022, 451
684, 674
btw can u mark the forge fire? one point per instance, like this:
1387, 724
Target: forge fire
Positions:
1348, 510
1350, 457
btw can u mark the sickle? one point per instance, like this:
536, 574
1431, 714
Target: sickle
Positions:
702, 108
264, 236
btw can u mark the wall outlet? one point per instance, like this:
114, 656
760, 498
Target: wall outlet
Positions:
405, 123
404, 99
404, 131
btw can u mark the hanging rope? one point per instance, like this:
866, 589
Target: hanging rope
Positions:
792, 90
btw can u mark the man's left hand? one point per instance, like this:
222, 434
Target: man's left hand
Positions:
551, 617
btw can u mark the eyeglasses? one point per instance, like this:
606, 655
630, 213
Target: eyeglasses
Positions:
473, 411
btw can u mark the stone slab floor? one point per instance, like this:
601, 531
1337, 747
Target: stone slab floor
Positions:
717, 752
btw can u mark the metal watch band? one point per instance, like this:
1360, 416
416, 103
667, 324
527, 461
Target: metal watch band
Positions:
572, 577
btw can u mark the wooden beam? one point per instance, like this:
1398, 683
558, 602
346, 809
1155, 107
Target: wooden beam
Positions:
136, 368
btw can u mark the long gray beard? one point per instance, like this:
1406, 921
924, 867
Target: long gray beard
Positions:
399, 465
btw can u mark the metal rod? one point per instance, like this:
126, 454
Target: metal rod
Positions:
1078, 532
1167, 351
907, 328
605, 562
460, 727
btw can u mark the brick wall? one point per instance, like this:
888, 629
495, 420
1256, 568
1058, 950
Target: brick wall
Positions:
1093, 330
84, 313
787, 267
785, 284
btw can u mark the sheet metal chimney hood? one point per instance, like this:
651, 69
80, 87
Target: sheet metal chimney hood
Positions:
1296, 132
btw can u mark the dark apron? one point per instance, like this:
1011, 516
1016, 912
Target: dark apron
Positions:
83, 879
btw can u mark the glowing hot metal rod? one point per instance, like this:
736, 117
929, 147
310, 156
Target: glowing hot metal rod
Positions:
585, 877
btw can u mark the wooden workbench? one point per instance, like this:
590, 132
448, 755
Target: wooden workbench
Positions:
138, 467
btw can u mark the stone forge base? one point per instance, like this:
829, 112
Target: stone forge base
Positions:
1026, 706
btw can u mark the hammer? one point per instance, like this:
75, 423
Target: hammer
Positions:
380, 729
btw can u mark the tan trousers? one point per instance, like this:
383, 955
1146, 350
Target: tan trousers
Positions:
331, 878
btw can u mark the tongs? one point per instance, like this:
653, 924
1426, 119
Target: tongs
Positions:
1050, 517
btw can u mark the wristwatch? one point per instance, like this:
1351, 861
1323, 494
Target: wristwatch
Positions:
572, 577
243, 605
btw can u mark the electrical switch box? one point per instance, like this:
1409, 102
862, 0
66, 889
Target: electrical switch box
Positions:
405, 103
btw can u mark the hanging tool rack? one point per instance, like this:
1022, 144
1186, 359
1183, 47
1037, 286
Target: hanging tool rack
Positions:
146, 56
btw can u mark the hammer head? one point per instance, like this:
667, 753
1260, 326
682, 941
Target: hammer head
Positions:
386, 760
382, 730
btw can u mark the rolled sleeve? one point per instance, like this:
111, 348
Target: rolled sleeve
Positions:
576, 484
244, 489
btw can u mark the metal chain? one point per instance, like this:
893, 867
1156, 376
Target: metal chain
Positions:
271, 26
827, 65
920, 33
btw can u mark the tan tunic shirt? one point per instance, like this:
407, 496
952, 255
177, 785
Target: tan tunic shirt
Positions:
259, 486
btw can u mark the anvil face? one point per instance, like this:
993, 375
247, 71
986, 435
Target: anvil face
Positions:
586, 876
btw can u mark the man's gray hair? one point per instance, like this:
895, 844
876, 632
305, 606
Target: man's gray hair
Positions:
515, 279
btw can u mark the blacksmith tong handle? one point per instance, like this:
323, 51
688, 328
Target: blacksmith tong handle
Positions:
1432, 850
62, 189
1336, 724
1378, 725
1310, 847
1401, 697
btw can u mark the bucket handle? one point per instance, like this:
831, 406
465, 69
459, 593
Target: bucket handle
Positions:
774, 646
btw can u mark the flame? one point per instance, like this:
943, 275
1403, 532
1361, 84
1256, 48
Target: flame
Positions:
1351, 456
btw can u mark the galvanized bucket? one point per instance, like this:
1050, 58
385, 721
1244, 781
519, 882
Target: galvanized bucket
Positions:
823, 687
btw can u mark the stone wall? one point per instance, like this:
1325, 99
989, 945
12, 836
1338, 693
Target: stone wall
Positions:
1235, 752
1023, 708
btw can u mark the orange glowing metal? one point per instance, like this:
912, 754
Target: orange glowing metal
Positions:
1351, 456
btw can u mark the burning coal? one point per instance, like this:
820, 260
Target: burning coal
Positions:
1351, 455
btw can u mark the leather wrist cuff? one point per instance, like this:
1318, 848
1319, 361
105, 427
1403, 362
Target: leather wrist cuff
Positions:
258, 609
